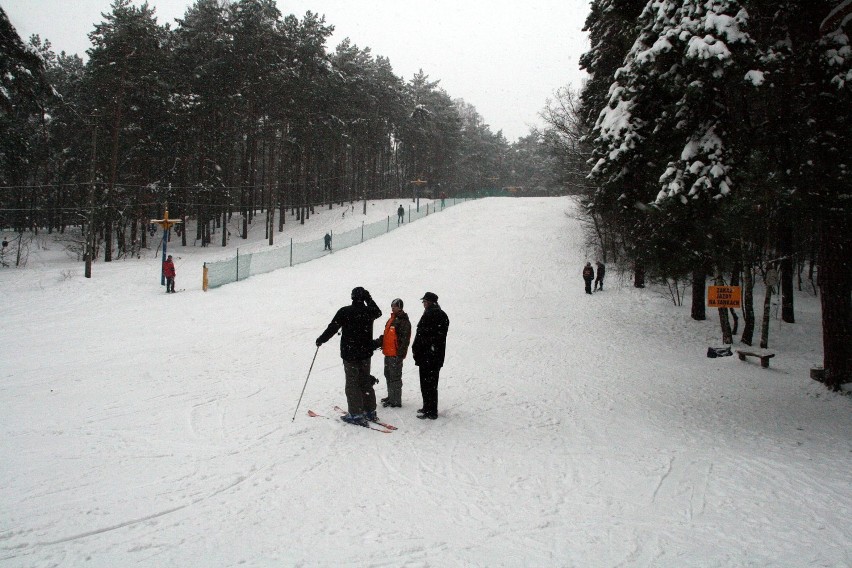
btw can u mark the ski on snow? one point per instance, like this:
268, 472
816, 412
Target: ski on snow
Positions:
379, 422
313, 414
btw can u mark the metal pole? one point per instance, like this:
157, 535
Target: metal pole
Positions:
165, 244
306, 384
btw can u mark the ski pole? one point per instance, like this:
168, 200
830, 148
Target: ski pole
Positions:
306, 384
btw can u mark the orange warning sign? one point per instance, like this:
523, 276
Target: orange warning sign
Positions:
724, 296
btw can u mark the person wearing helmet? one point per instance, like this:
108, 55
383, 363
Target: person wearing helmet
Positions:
394, 345
356, 350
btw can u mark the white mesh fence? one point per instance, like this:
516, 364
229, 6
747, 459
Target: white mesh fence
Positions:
243, 266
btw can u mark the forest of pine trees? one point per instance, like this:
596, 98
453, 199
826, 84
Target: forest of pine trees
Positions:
237, 111
719, 137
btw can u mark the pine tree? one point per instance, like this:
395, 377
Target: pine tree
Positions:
24, 96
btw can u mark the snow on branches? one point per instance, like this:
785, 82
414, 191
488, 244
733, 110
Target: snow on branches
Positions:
701, 167
670, 99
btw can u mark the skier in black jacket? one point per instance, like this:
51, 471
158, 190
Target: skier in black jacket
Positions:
428, 349
356, 350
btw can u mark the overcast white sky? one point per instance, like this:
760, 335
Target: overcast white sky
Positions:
504, 57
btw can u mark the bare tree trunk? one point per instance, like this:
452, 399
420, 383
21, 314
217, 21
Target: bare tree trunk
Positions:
835, 281
724, 322
698, 293
767, 306
748, 301
785, 250
224, 227
735, 281
638, 276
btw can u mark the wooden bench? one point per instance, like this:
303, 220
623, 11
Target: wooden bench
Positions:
764, 357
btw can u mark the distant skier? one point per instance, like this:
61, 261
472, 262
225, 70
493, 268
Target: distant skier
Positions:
169, 273
400, 216
356, 350
327, 240
588, 276
599, 277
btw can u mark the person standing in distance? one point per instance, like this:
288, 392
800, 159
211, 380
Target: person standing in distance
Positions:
588, 276
169, 273
400, 216
599, 277
394, 343
356, 350
428, 349
327, 240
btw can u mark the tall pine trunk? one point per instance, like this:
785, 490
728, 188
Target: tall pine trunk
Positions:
785, 251
748, 299
735, 281
698, 292
770, 281
724, 322
835, 281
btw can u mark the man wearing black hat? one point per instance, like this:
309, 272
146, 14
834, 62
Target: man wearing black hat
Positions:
356, 349
428, 349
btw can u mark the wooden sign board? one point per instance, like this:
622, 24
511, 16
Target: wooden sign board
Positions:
724, 296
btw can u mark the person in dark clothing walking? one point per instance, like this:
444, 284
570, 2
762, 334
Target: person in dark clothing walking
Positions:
327, 239
356, 350
599, 277
588, 276
169, 273
428, 349
394, 344
400, 215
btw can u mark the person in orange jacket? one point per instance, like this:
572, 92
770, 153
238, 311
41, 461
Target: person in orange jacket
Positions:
169, 273
394, 344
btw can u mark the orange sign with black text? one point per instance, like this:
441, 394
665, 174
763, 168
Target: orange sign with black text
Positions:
724, 296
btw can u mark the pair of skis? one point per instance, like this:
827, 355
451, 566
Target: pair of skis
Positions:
380, 426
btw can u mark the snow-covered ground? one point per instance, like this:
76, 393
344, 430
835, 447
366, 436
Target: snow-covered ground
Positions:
145, 429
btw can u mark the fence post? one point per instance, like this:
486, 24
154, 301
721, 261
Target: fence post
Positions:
362, 231
238, 265
204, 279
291, 252
388, 231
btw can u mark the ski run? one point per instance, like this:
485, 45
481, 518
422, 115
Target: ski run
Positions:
574, 430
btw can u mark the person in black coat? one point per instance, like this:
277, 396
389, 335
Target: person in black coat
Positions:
599, 277
428, 349
356, 350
